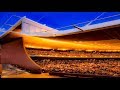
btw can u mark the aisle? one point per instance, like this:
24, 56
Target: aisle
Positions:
28, 75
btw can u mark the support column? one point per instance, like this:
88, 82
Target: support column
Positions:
14, 52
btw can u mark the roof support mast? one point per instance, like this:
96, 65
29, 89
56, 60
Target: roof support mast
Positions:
108, 34
95, 18
90, 22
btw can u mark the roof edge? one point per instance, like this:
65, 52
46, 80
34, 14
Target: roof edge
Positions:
12, 28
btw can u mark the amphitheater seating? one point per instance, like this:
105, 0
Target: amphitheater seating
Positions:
100, 67
74, 53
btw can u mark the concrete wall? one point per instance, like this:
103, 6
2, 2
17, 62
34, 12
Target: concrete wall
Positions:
14, 53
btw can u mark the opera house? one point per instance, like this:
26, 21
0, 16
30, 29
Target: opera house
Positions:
27, 40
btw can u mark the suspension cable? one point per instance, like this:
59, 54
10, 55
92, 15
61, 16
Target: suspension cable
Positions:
88, 21
77, 23
9, 19
95, 19
6, 21
41, 18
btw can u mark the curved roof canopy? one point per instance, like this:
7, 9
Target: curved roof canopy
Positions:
33, 28
57, 20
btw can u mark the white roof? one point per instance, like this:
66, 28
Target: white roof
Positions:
88, 28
